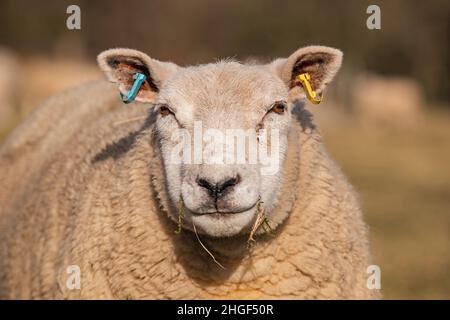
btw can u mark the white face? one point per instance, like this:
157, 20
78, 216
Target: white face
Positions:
222, 129
222, 134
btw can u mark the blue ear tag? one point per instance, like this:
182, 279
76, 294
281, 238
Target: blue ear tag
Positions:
139, 80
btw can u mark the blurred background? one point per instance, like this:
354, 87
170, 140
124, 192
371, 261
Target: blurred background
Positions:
386, 117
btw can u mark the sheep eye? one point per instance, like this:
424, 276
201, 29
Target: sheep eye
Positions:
164, 111
279, 107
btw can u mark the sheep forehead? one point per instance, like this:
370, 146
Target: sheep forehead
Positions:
225, 91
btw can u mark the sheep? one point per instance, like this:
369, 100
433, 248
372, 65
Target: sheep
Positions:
46, 77
390, 102
9, 66
89, 190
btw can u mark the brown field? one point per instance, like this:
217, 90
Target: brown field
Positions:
404, 181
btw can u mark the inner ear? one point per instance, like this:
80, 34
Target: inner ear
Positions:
125, 68
121, 65
316, 65
320, 62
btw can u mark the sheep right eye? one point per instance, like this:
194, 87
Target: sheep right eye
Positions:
164, 111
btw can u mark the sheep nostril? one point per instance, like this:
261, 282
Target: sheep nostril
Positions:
229, 183
206, 184
216, 190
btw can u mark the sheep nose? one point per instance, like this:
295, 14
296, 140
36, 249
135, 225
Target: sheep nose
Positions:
216, 190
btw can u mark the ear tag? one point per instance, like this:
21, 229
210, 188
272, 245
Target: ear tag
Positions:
139, 80
310, 93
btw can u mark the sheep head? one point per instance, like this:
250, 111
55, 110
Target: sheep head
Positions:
222, 129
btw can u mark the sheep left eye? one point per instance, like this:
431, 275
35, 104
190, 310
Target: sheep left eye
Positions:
278, 107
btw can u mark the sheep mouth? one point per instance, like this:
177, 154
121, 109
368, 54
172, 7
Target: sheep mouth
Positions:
218, 213
224, 223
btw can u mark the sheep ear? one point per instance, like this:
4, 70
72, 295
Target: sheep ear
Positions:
120, 66
322, 64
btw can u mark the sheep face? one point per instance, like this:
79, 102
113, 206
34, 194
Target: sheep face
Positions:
222, 129
215, 125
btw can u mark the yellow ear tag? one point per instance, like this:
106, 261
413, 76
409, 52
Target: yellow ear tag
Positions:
310, 93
